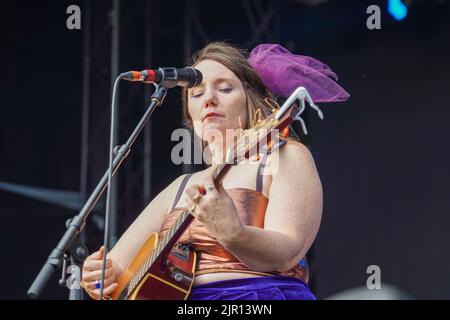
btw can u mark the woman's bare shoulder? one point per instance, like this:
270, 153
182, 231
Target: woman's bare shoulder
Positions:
293, 153
296, 147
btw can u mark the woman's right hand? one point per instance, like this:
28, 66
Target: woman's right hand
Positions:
92, 272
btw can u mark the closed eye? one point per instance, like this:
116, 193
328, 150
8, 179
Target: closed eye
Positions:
224, 90
197, 95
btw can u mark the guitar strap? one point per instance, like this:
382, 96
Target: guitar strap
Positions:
262, 165
181, 189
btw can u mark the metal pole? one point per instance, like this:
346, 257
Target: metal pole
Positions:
147, 161
115, 37
85, 106
187, 43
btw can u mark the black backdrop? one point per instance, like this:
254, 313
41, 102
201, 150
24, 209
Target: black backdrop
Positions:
382, 156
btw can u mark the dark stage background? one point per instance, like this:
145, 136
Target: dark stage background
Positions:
383, 156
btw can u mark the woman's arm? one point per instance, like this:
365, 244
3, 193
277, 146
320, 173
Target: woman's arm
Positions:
118, 259
149, 221
292, 217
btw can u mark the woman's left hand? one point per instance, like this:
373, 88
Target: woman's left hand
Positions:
215, 209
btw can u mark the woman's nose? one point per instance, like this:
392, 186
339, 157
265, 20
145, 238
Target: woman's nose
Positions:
210, 99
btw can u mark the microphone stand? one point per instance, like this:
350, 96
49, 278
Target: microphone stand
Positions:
70, 246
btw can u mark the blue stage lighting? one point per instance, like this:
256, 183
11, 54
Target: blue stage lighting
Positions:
397, 9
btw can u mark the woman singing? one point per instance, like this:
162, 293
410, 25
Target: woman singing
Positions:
252, 230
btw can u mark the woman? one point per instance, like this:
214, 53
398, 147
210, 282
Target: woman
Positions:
249, 240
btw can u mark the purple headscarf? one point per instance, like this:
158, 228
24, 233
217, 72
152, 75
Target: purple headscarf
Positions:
282, 72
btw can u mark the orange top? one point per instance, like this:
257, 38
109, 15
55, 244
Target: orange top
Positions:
212, 256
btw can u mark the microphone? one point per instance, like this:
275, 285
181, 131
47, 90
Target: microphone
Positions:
167, 77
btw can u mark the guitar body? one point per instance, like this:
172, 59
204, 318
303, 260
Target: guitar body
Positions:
170, 276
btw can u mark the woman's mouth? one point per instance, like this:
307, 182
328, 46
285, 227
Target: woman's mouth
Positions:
211, 116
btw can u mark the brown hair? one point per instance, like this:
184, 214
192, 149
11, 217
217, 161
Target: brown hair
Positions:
260, 101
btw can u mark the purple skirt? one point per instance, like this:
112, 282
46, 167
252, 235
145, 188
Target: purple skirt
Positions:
258, 288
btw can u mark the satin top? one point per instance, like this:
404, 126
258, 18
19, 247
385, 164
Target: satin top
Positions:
211, 255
